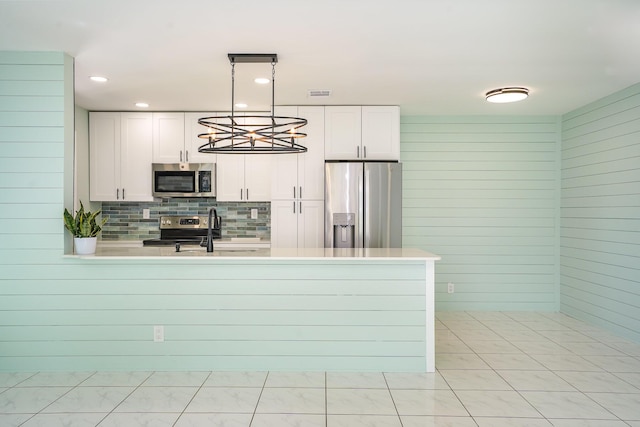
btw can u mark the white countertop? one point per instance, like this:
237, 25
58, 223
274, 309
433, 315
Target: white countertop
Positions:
110, 252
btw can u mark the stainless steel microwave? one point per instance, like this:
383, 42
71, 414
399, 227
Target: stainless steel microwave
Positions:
184, 179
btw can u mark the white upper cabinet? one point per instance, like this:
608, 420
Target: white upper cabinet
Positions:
343, 132
168, 138
381, 132
120, 156
191, 141
362, 133
301, 176
243, 177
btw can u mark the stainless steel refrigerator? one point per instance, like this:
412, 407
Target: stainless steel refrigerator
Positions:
363, 205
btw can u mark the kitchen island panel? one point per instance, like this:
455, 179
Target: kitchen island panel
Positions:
219, 314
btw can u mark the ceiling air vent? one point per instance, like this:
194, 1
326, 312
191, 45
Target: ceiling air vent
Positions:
316, 93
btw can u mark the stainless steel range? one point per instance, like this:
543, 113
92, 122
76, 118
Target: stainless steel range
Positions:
186, 230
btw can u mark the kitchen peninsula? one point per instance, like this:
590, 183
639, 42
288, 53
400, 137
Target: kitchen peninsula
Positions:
259, 309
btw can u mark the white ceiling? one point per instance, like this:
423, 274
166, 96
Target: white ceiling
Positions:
428, 56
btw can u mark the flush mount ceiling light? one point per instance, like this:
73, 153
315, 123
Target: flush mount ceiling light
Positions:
507, 94
252, 133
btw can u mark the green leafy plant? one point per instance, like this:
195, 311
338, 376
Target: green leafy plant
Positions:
83, 223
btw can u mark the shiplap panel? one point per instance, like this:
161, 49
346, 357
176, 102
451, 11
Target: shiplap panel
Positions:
476, 189
268, 313
31, 88
13, 120
31, 149
198, 332
600, 215
24, 133
258, 301
312, 286
189, 317
220, 363
31, 180
26, 72
16, 58
31, 103
580, 289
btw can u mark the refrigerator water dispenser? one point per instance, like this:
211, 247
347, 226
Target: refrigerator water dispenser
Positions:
344, 225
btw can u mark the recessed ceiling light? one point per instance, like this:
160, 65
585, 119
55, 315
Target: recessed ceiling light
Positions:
261, 80
507, 94
142, 105
241, 105
99, 79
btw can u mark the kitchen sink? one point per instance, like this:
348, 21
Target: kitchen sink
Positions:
223, 251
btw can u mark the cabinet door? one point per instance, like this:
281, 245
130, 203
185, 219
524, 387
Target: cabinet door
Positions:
343, 132
311, 224
381, 132
230, 178
284, 181
136, 157
104, 156
257, 176
311, 163
191, 141
284, 230
168, 138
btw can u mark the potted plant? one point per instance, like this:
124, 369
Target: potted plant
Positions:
84, 228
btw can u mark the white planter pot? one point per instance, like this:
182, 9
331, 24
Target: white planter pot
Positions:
85, 245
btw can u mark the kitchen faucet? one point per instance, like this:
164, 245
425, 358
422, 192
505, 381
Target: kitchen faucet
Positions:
210, 228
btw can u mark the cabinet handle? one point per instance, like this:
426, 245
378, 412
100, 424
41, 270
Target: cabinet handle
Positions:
300, 192
358, 151
117, 194
180, 156
241, 194
123, 194
186, 156
247, 194
300, 210
294, 191
294, 206
365, 151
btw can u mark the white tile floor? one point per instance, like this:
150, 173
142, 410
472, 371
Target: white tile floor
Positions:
493, 370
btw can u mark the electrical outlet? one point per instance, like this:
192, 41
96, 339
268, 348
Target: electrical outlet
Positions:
254, 213
145, 213
450, 288
158, 333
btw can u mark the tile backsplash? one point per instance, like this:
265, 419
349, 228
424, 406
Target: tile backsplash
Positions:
126, 223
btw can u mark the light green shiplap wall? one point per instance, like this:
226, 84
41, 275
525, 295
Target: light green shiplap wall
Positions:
600, 237
64, 313
33, 94
482, 192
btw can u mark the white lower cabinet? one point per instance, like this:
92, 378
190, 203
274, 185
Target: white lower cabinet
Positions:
297, 224
120, 156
